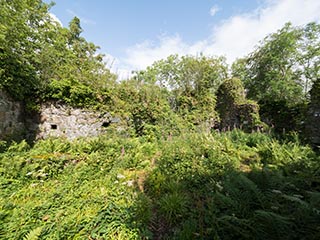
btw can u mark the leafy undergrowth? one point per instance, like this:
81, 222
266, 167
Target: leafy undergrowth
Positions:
195, 186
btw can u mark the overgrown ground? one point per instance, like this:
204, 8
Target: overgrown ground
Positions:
195, 186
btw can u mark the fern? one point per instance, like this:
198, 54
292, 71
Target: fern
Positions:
231, 227
193, 188
270, 225
244, 193
33, 234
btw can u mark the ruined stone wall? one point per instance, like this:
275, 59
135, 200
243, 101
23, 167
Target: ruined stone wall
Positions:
11, 117
52, 120
313, 125
313, 117
234, 109
63, 121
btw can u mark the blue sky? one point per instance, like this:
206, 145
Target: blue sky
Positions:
134, 33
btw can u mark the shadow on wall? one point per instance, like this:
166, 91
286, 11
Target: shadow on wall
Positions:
13, 119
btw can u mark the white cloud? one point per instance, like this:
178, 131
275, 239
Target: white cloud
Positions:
115, 67
145, 53
55, 18
238, 35
213, 10
233, 37
82, 19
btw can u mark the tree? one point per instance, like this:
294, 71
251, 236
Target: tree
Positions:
186, 73
21, 37
283, 66
192, 83
40, 59
74, 30
309, 59
81, 62
280, 73
271, 68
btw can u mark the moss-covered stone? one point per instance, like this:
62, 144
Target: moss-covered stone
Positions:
234, 109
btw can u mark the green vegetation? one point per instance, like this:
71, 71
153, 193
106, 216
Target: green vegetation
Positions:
41, 60
280, 73
234, 109
168, 174
193, 82
229, 185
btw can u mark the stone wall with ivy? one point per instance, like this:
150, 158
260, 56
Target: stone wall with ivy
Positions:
59, 120
235, 111
52, 120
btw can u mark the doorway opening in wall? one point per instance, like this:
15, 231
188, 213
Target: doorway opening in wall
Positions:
105, 124
54, 126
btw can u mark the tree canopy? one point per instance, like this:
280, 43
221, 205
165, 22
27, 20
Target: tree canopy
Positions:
192, 82
284, 65
280, 72
40, 59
